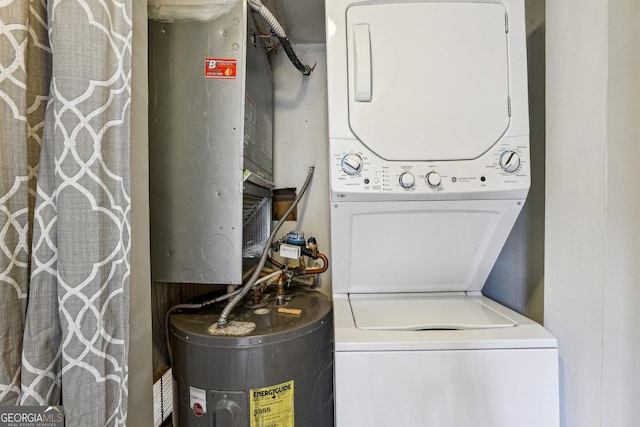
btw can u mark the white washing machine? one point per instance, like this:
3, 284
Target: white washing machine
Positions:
429, 169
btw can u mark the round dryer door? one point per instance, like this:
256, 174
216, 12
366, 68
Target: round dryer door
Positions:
428, 81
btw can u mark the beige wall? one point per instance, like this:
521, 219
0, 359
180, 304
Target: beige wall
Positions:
140, 411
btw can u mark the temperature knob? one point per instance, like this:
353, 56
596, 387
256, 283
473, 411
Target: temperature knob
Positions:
510, 161
433, 179
352, 164
407, 180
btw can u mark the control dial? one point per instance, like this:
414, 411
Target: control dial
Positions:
352, 164
510, 161
433, 179
407, 180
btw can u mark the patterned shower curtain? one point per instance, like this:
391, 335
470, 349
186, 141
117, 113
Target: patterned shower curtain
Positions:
65, 74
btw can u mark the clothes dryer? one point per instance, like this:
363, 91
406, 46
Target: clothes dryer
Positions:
429, 169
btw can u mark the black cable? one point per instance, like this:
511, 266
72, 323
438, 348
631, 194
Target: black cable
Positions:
304, 69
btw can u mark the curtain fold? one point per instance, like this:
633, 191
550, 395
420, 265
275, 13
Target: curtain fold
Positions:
24, 85
64, 206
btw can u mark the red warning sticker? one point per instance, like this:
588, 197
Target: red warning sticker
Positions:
220, 68
197, 409
198, 401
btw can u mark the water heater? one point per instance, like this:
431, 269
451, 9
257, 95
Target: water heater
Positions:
210, 143
275, 368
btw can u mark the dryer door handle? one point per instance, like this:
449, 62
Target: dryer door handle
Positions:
362, 62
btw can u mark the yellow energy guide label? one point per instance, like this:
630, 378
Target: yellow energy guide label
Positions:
272, 406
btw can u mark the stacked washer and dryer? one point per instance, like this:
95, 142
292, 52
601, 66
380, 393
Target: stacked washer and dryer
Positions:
429, 169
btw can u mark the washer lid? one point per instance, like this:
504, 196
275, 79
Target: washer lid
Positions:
429, 80
413, 312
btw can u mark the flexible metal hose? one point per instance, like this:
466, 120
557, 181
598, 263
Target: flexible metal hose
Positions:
222, 320
195, 306
266, 14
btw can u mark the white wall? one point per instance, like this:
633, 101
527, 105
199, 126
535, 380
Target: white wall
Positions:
517, 279
301, 140
591, 242
621, 316
303, 20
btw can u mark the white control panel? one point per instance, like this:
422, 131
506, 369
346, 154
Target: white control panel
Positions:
359, 174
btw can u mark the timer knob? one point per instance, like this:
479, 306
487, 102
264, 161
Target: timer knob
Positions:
407, 180
352, 164
434, 179
510, 161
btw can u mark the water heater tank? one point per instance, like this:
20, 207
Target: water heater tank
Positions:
210, 143
280, 373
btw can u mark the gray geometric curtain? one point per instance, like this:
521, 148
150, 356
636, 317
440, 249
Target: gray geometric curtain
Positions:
65, 74
23, 99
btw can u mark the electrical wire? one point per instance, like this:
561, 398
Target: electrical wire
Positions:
268, 17
257, 6
195, 306
167, 325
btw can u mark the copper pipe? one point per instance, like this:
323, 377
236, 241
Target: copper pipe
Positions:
324, 268
274, 263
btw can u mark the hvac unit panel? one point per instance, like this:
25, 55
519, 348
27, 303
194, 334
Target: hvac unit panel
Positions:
210, 148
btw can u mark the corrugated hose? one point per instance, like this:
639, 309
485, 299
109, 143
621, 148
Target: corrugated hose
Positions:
222, 320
